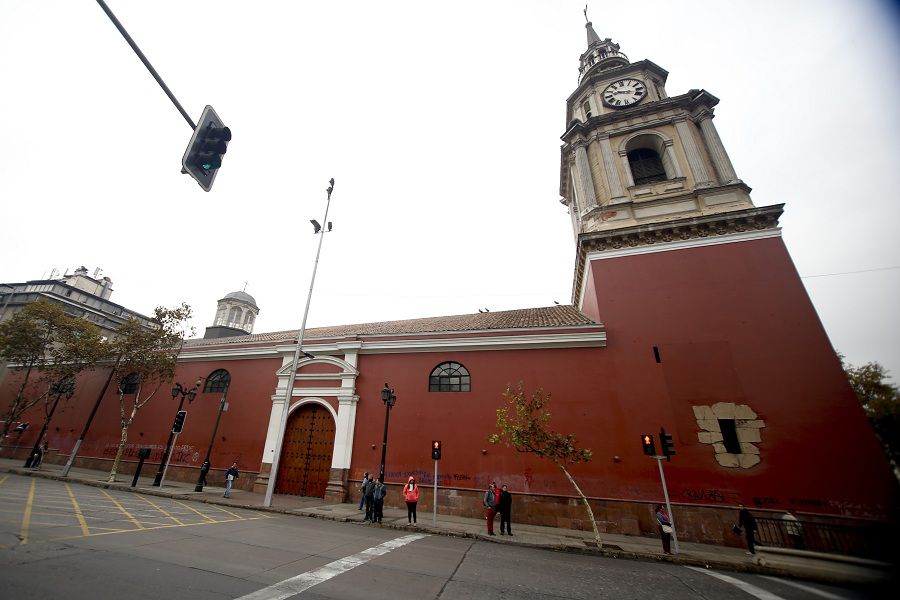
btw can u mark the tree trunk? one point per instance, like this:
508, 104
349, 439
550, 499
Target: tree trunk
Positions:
14, 406
123, 440
587, 504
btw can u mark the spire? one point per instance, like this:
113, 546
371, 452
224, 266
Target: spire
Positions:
601, 54
592, 36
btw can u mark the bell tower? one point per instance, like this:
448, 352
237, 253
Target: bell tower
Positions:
640, 167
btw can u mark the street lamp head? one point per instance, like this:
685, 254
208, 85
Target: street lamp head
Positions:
197, 383
176, 389
191, 395
316, 226
386, 394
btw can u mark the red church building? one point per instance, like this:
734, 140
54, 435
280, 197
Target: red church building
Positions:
687, 314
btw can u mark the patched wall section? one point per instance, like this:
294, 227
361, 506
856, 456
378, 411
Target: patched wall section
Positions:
746, 425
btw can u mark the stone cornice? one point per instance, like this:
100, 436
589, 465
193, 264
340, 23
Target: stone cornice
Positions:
692, 228
614, 73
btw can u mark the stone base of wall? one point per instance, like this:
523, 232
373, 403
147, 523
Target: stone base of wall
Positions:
337, 492
262, 478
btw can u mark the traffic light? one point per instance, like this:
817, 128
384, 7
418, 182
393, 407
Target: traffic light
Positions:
178, 425
436, 450
648, 445
209, 143
666, 445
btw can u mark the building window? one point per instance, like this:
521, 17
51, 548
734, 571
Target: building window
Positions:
587, 109
217, 381
234, 318
449, 377
130, 384
729, 436
646, 166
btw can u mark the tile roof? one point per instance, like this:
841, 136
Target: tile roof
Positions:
526, 318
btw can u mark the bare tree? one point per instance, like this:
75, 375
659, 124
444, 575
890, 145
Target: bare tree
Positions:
148, 355
527, 429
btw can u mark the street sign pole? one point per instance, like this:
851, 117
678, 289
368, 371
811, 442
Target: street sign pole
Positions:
662, 477
434, 509
168, 460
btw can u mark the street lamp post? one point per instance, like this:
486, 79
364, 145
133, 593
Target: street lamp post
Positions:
389, 399
184, 392
64, 387
285, 408
204, 468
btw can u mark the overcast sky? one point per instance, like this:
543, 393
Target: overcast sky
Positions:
441, 124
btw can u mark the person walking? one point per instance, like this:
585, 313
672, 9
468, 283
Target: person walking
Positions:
747, 523
665, 529
504, 505
490, 504
370, 499
362, 490
230, 475
793, 528
378, 494
411, 495
38, 457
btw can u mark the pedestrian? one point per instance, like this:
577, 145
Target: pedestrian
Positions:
665, 529
747, 525
370, 499
362, 492
504, 505
490, 504
793, 528
411, 495
378, 494
230, 475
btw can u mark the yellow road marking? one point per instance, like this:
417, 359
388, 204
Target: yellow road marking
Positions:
5, 477
78, 514
152, 528
207, 517
26, 518
229, 512
122, 508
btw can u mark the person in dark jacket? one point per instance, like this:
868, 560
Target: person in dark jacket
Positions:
505, 508
490, 505
665, 529
370, 499
378, 494
747, 523
230, 475
362, 490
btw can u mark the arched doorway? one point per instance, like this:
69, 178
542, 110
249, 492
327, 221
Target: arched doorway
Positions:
305, 462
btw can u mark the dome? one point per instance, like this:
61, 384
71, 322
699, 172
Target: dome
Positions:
242, 296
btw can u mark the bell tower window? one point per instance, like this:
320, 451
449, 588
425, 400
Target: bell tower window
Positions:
646, 166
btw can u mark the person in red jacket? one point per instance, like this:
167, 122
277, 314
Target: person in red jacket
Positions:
411, 495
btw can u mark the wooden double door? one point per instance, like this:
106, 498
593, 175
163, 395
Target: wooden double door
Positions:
305, 463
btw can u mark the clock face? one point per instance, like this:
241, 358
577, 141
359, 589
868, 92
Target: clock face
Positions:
624, 92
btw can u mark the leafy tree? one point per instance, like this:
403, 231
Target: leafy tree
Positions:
150, 354
880, 400
42, 339
524, 425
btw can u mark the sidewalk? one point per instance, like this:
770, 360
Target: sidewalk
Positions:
835, 569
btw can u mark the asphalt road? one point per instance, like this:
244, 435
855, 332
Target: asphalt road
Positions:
61, 540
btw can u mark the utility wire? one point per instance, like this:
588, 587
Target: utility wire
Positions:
850, 272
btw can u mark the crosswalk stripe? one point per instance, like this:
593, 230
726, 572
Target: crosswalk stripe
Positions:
741, 585
295, 585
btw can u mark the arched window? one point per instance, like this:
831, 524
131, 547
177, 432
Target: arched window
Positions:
450, 377
234, 316
646, 166
248, 319
130, 383
649, 159
217, 381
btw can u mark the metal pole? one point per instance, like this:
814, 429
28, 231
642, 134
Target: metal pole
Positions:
40, 436
166, 468
662, 476
87, 425
146, 62
387, 416
157, 481
282, 423
202, 479
434, 510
